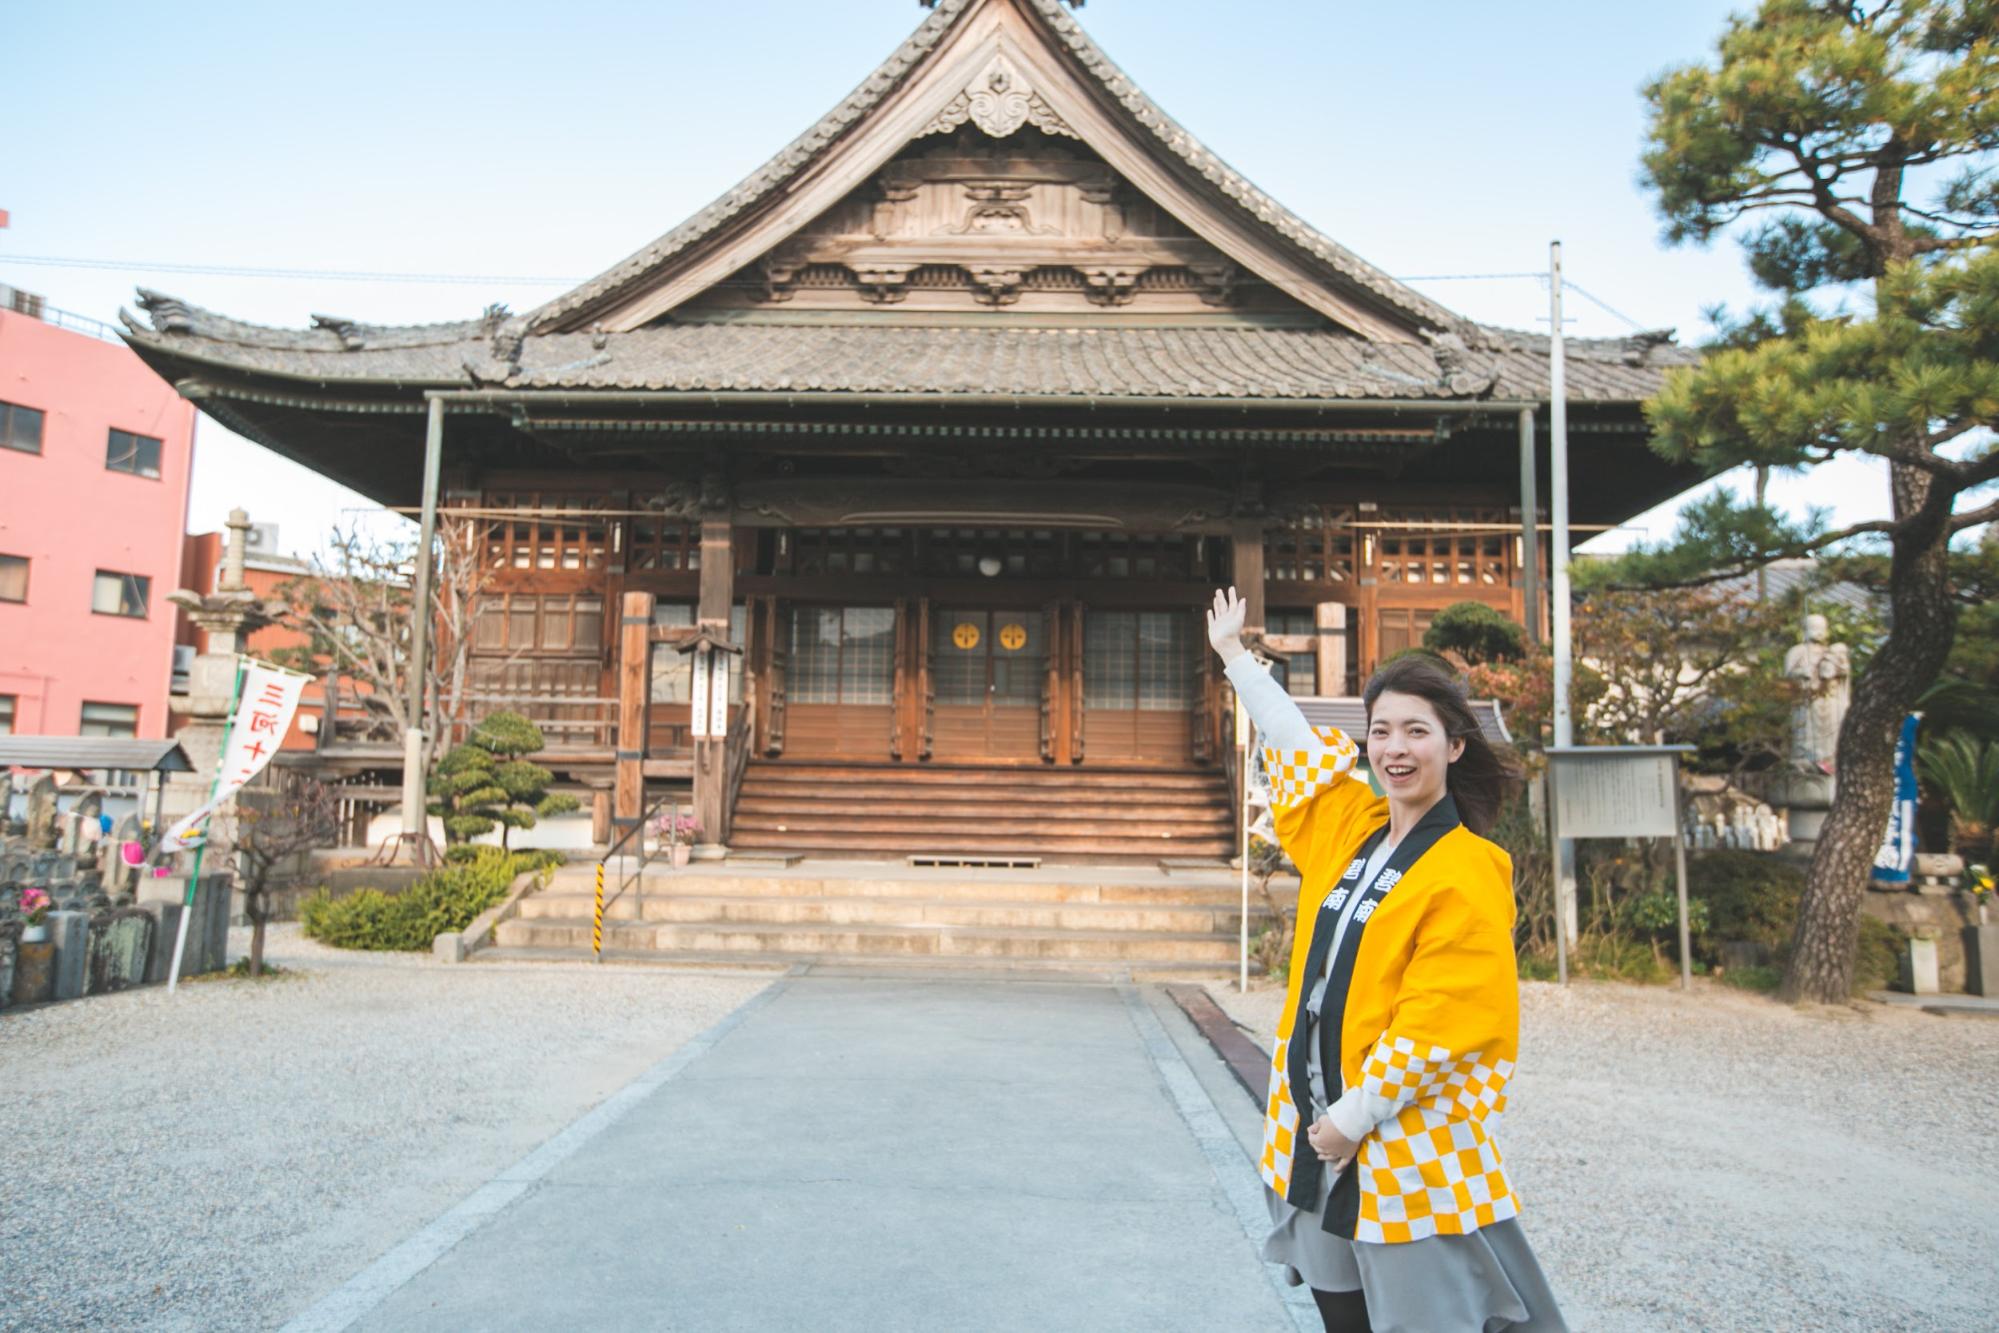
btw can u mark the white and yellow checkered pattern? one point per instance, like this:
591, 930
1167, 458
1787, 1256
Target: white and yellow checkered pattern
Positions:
1431, 1169
1296, 776
1280, 1125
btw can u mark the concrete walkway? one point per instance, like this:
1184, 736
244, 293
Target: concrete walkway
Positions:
853, 1151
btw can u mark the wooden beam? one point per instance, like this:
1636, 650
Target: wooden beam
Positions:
718, 591
1331, 621
1246, 568
634, 686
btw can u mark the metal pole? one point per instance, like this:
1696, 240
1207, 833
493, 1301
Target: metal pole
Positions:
1680, 872
1530, 529
1242, 818
414, 821
1558, 542
1555, 836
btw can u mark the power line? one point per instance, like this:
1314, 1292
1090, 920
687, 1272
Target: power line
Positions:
518, 280
242, 271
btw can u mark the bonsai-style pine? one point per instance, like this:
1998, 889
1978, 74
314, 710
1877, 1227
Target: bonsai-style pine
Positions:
485, 783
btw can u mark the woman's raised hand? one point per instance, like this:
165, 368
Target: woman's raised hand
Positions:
1225, 619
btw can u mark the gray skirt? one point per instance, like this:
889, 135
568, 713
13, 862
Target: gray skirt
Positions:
1482, 1282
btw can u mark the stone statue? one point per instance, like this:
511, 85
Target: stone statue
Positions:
1824, 672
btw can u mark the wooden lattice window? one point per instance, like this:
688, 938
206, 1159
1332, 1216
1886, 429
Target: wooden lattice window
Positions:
663, 544
560, 625
842, 655
1446, 546
1315, 547
540, 531
993, 552
1138, 659
849, 550
1116, 555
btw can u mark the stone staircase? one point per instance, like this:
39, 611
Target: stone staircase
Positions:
1148, 922
1073, 814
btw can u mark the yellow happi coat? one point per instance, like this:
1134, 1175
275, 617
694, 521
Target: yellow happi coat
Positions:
1432, 1017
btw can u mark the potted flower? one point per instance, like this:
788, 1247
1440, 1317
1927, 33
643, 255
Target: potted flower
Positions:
686, 829
35, 904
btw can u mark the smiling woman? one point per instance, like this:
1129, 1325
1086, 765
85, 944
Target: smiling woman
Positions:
1401, 1022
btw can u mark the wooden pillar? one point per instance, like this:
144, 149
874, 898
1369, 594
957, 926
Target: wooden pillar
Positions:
634, 696
600, 817
1246, 567
1330, 618
718, 590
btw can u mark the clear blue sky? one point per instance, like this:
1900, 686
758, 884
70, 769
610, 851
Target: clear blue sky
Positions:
444, 137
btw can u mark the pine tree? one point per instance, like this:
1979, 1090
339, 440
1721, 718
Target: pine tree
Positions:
485, 784
1826, 119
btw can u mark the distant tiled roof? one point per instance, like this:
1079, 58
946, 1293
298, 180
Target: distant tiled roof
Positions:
1208, 362
773, 175
87, 752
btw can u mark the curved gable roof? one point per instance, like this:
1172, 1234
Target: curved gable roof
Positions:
1342, 276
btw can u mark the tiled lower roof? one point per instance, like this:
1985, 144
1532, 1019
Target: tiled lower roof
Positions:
1211, 362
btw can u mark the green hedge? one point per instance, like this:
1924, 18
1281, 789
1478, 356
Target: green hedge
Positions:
444, 900
1752, 897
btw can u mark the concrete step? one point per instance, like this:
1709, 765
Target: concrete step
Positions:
992, 886
1026, 969
894, 911
1045, 842
876, 940
1017, 825
1047, 777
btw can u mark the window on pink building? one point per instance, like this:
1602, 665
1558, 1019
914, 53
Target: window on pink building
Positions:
136, 454
7, 702
13, 578
109, 720
20, 428
116, 594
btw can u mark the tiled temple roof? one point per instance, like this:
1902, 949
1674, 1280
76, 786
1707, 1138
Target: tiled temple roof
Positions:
1211, 362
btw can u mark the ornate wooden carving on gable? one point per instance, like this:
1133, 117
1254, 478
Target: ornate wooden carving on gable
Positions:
994, 207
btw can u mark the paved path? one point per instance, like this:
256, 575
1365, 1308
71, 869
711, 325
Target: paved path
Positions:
872, 1152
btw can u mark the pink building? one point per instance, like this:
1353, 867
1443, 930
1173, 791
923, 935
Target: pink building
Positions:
96, 452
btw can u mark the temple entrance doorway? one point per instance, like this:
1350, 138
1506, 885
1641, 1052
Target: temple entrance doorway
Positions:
989, 672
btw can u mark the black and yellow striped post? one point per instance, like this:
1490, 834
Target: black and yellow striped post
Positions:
597, 917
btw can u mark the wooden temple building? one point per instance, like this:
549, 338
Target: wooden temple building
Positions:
950, 417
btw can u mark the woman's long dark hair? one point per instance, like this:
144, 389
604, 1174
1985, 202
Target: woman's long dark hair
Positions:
1482, 777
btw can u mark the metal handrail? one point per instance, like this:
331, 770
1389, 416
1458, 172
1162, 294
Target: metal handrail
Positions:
626, 877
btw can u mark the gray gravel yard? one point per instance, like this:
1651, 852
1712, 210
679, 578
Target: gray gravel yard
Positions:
1720, 1161
222, 1158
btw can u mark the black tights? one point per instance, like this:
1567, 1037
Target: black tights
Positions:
1343, 1311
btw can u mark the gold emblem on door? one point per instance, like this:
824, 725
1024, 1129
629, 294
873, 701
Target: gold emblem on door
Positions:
1013, 638
966, 635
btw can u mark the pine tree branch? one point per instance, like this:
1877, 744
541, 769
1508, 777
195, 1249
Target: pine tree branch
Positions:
1971, 518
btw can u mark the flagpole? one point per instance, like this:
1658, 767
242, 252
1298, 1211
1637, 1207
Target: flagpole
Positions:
194, 879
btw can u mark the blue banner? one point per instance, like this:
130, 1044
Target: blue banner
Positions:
1897, 857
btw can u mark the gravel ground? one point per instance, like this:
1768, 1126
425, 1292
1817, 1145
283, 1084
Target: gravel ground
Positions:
223, 1158
1720, 1161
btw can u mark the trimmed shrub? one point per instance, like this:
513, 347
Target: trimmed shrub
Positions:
444, 900
1752, 898
1477, 633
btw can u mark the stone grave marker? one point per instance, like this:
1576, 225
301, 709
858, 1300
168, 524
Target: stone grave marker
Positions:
121, 943
10, 955
70, 933
83, 831
42, 812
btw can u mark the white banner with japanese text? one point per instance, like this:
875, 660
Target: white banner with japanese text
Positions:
266, 698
